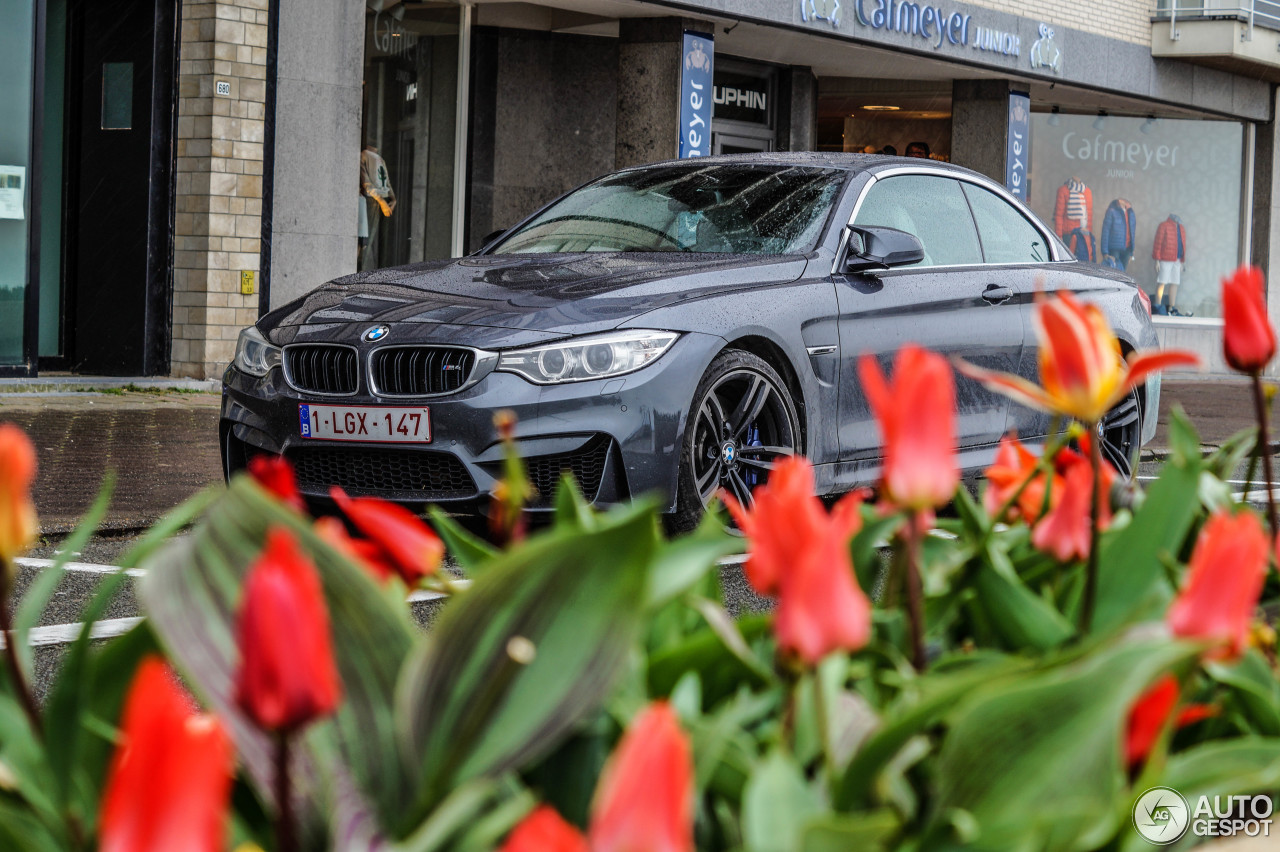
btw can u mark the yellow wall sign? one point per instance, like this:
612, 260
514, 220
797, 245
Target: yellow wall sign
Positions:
246, 282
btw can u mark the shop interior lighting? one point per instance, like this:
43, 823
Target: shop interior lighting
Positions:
1148, 125
881, 108
1101, 121
1055, 117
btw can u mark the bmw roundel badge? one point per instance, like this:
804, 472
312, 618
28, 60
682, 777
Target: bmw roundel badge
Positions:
375, 334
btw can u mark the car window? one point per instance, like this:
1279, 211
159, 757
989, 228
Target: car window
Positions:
717, 208
931, 208
1007, 236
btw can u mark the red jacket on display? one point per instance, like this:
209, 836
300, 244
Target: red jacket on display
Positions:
1171, 240
1074, 208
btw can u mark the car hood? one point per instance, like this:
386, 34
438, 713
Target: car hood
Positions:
543, 296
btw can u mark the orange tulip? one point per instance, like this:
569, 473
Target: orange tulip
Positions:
544, 830
801, 554
1248, 340
18, 526
917, 422
1149, 714
644, 801
287, 675
1014, 465
1224, 582
169, 785
415, 550
1064, 531
275, 474
1081, 368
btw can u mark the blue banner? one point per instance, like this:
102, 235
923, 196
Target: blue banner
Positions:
695, 95
1017, 157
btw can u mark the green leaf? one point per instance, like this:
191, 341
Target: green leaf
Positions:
867, 544
1225, 767
721, 669
1053, 736
1020, 618
173, 522
776, 805
1222, 463
1255, 686
570, 508
472, 553
529, 651
1131, 576
679, 565
451, 816
865, 832
41, 590
191, 593
1184, 441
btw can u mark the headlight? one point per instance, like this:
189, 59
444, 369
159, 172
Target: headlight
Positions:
596, 357
254, 355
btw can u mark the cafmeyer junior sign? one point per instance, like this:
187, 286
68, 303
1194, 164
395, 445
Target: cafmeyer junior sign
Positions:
942, 28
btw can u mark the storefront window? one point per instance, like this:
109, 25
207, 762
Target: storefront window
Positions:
16, 21
406, 165
1158, 198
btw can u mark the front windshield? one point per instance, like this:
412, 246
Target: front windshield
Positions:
727, 209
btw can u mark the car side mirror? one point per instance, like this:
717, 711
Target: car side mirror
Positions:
880, 248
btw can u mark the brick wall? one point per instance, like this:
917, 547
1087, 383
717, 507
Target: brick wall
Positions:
218, 221
1129, 20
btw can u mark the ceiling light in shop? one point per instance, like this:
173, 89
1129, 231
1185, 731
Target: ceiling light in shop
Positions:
1101, 121
1055, 117
1148, 125
881, 108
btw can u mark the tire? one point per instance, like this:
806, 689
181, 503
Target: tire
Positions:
1121, 435
725, 446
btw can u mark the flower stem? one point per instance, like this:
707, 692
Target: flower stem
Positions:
1264, 449
1095, 515
915, 591
286, 839
11, 652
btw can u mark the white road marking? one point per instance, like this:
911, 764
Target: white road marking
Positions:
64, 634
77, 567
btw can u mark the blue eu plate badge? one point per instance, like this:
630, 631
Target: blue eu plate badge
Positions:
304, 420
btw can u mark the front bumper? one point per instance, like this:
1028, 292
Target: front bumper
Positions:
621, 437
1150, 408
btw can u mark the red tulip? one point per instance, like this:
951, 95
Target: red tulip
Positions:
800, 553
1064, 531
1248, 340
169, 785
1149, 714
1014, 465
361, 551
18, 526
644, 801
1080, 364
917, 422
544, 831
1224, 582
414, 549
275, 474
287, 675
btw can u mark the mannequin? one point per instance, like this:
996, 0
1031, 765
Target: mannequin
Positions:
379, 201
1169, 251
1074, 208
1119, 227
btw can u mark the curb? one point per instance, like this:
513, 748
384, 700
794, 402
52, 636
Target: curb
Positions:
63, 385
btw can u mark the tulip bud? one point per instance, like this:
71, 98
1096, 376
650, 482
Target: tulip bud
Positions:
287, 674
1248, 340
18, 526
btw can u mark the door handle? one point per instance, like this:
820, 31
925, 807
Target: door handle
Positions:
995, 294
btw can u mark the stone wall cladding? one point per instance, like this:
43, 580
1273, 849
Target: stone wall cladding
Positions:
1128, 20
218, 203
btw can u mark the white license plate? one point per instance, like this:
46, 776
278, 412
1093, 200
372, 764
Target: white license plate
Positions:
374, 423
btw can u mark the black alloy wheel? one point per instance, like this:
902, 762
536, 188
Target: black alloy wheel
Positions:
742, 421
1121, 434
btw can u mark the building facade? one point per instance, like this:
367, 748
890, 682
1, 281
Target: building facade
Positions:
172, 169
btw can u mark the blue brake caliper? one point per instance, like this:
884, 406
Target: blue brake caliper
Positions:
752, 474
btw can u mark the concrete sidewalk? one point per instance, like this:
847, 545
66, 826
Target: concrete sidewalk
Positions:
163, 446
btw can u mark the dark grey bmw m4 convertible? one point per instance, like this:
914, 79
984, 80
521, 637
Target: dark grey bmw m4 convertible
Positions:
671, 330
